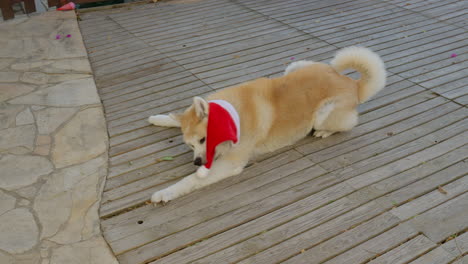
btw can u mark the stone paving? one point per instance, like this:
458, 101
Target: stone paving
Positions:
53, 145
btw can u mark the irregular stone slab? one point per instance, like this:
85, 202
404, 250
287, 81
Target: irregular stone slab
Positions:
35, 77
30, 257
22, 136
7, 202
82, 138
58, 78
8, 114
27, 66
78, 65
19, 231
52, 205
93, 251
43, 140
49, 119
84, 196
65, 201
4, 258
42, 150
70, 93
28, 191
5, 62
66, 47
21, 171
25, 117
10, 90
9, 76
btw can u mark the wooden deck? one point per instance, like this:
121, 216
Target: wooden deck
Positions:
393, 190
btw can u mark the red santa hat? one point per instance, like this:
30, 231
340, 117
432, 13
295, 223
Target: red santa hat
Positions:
223, 125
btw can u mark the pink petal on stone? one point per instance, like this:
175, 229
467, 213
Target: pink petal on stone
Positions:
453, 55
57, 37
68, 36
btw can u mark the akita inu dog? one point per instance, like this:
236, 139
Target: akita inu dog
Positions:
266, 114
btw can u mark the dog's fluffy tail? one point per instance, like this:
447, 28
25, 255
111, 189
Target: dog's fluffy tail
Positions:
366, 62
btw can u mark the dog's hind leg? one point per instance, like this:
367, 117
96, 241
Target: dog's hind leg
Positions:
164, 120
338, 120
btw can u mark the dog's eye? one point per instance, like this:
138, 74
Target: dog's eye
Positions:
202, 140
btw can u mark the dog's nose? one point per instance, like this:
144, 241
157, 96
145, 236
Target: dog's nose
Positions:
197, 161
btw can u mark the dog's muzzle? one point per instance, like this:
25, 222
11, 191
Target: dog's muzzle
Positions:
198, 161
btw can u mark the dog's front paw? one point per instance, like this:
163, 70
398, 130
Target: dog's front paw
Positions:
322, 133
163, 196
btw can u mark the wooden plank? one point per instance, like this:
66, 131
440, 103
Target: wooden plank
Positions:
116, 140
210, 195
132, 109
463, 100
233, 40
264, 239
331, 21
375, 246
126, 167
257, 179
452, 213
302, 248
235, 252
427, 53
368, 127
161, 169
224, 73
419, 186
436, 256
281, 215
246, 56
144, 141
273, 68
389, 54
383, 133
245, 22
418, 66
406, 139
396, 30
441, 194
452, 84
407, 251
140, 120
365, 178
228, 48
368, 21
444, 79
458, 245
135, 62
206, 24
263, 166
150, 84
452, 94
207, 228
152, 93
207, 61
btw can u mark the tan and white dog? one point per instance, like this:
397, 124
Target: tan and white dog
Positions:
277, 112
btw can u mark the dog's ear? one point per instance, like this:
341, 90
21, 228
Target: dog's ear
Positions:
201, 107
